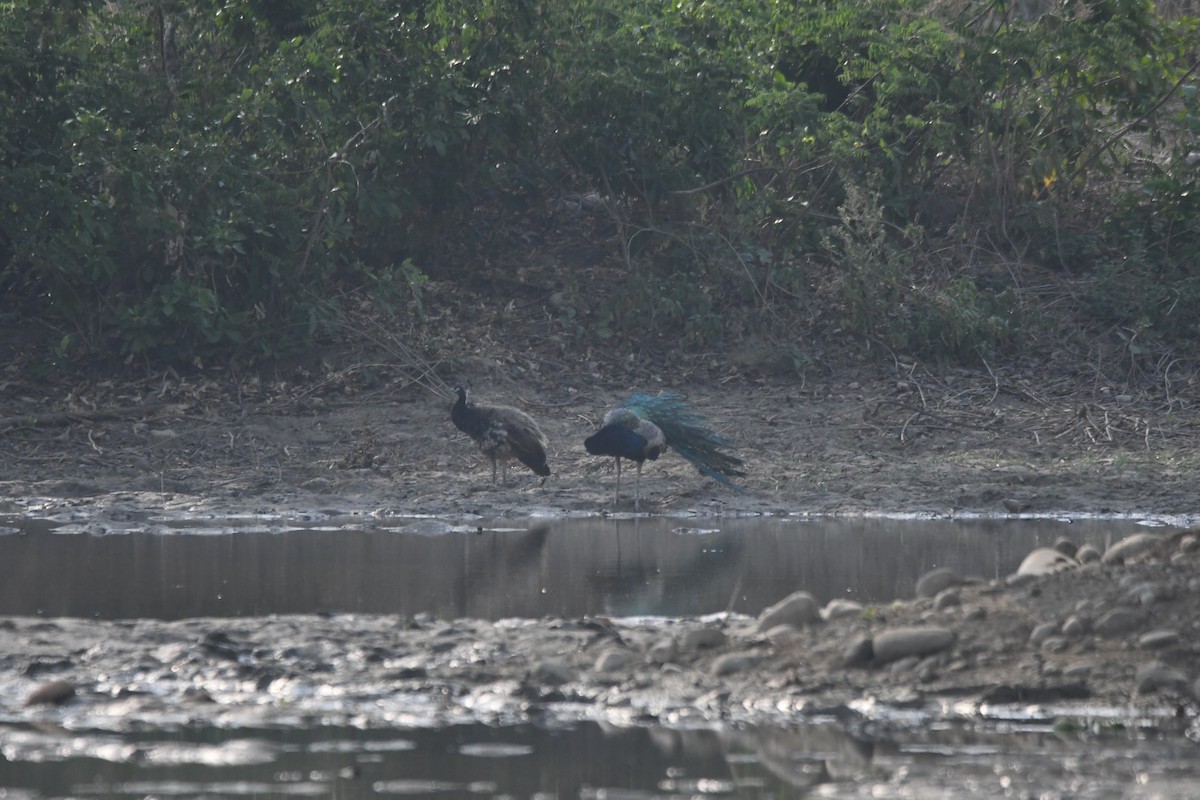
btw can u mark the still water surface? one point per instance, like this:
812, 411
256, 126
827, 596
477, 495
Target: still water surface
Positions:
808, 760
496, 569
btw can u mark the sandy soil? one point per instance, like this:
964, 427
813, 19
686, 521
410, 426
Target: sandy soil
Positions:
891, 440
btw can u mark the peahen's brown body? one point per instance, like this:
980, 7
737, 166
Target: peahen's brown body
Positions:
501, 433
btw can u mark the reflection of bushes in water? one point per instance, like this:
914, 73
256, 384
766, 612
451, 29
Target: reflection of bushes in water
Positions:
184, 183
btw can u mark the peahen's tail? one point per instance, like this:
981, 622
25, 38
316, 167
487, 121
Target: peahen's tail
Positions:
688, 434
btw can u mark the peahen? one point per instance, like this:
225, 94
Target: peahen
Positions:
501, 433
644, 426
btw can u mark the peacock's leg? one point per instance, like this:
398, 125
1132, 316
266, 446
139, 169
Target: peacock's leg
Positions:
637, 489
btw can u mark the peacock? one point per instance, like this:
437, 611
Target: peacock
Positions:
644, 426
502, 433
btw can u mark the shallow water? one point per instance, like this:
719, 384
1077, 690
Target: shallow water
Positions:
587, 760
173, 569
180, 568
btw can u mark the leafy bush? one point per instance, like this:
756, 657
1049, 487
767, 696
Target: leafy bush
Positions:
188, 181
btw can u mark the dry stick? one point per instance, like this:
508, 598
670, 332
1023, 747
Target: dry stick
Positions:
995, 382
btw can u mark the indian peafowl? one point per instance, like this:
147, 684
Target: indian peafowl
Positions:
645, 426
501, 433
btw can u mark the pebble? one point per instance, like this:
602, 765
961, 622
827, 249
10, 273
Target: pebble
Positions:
897, 643
663, 651
1080, 669
1043, 632
838, 609
1158, 639
783, 635
1055, 644
1045, 561
1118, 620
1152, 678
947, 599
1074, 627
904, 664
1131, 547
552, 673
797, 609
974, 613
613, 660
1147, 593
859, 652
1065, 546
51, 693
1087, 554
704, 639
936, 580
1188, 543
732, 663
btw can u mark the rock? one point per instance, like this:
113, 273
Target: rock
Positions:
838, 609
663, 651
975, 613
1013, 506
1117, 621
1055, 644
1079, 669
1045, 561
897, 643
51, 693
552, 673
613, 660
947, 599
783, 635
1075, 627
1188, 543
1087, 554
797, 609
936, 580
1153, 678
704, 639
1131, 547
1043, 632
1065, 546
859, 652
732, 663
1147, 593
1158, 639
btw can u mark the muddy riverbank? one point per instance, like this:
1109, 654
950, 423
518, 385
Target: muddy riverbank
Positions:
353, 440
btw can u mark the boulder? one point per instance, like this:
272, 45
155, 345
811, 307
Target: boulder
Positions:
797, 609
1045, 561
897, 643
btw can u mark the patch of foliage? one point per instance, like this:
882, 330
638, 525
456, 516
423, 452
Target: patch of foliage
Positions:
189, 181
